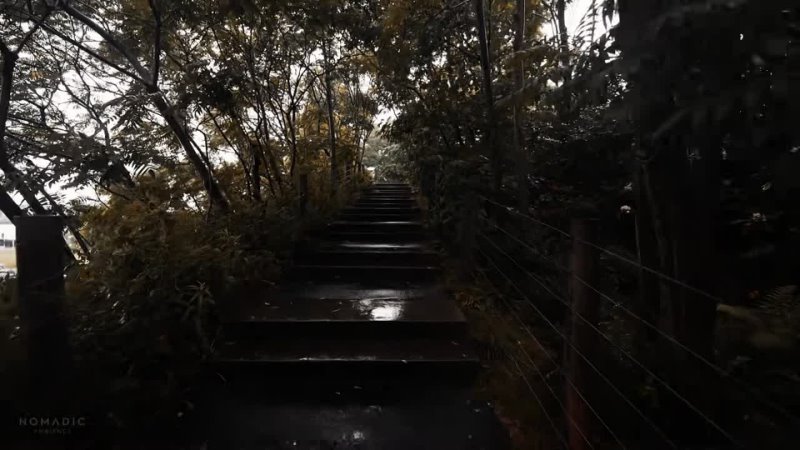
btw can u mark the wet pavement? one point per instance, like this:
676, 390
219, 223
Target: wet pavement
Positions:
358, 347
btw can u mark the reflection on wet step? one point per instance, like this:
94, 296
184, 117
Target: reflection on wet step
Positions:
381, 310
376, 246
372, 309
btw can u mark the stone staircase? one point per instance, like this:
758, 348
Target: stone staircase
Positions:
358, 347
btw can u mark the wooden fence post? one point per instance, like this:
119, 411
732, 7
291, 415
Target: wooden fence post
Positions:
40, 268
585, 303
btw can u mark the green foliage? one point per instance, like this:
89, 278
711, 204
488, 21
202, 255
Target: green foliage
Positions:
454, 206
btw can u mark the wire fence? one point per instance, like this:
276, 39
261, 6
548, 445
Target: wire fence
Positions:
503, 259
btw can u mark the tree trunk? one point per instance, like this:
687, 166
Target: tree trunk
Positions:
686, 195
647, 303
331, 119
256, 176
216, 197
521, 156
486, 69
293, 130
563, 38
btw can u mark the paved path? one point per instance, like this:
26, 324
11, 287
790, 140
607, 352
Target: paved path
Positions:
359, 346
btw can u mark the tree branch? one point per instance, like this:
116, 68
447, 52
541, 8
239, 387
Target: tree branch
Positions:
144, 76
96, 55
36, 25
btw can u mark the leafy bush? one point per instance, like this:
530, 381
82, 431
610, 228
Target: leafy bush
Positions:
144, 305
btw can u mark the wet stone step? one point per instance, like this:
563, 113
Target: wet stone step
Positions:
371, 214
388, 191
354, 273
374, 236
388, 197
384, 194
383, 198
362, 290
324, 245
383, 202
374, 192
421, 426
383, 226
342, 392
389, 257
379, 187
329, 349
357, 360
377, 205
357, 318
400, 194
362, 209
361, 217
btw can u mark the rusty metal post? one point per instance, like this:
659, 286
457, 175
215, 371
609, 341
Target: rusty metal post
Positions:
585, 305
41, 262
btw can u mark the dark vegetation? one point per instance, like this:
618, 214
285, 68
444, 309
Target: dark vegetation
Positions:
202, 138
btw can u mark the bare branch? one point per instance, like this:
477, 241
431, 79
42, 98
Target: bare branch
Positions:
36, 25
96, 55
144, 76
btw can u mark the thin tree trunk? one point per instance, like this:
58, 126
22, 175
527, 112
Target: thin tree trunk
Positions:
647, 303
521, 157
293, 130
331, 119
563, 37
256, 176
486, 68
270, 157
216, 197
239, 154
